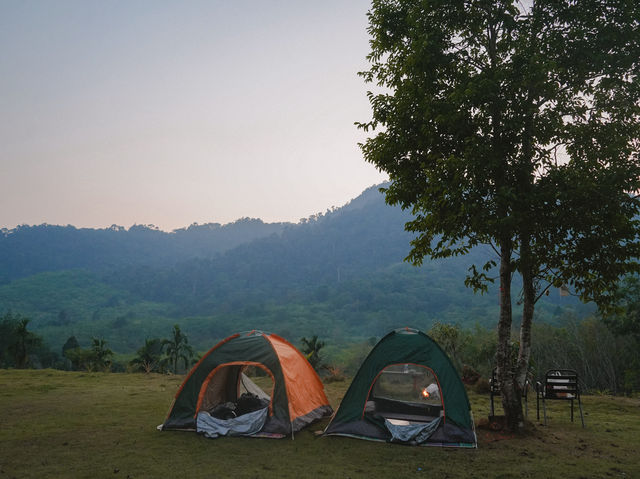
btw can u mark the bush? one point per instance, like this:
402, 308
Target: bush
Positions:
469, 375
333, 374
482, 386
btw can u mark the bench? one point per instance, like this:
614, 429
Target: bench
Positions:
494, 390
558, 385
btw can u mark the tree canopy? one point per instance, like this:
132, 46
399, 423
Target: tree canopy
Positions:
625, 321
514, 125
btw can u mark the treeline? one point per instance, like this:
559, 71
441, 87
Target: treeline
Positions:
605, 352
23, 349
606, 361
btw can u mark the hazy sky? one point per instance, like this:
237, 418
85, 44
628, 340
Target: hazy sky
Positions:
174, 112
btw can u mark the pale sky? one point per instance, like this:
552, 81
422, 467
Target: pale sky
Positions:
173, 112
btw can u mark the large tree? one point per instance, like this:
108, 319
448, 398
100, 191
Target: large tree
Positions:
513, 124
100, 354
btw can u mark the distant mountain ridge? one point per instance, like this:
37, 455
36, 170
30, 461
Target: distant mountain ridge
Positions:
27, 250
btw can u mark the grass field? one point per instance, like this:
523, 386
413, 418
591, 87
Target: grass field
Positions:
69, 424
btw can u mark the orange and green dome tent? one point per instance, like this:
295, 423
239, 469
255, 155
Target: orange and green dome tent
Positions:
296, 398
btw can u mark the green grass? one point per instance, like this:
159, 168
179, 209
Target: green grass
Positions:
68, 424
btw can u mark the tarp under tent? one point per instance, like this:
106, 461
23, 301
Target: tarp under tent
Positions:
406, 391
218, 398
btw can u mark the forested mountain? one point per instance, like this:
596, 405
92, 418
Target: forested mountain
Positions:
338, 274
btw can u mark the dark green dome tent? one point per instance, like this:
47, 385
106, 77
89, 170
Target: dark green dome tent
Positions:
296, 397
407, 391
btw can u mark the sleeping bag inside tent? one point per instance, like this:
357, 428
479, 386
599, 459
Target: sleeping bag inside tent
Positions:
217, 398
406, 391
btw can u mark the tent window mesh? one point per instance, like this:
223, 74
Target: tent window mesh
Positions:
407, 383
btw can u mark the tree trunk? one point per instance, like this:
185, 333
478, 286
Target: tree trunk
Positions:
528, 306
511, 401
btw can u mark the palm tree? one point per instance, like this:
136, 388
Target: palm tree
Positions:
149, 356
100, 354
311, 349
177, 348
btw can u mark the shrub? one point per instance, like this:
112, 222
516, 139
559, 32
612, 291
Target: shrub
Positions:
482, 386
333, 374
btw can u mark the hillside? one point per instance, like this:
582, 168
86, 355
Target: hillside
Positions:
339, 274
